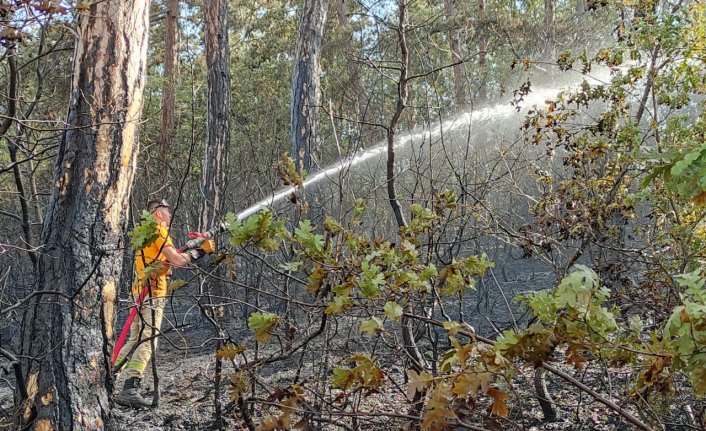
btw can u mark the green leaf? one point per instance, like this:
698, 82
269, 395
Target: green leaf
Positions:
393, 310
175, 285
371, 326
262, 323
343, 378
332, 226
311, 242
339, 304
145, 233
371, 280
292, 266
681, 166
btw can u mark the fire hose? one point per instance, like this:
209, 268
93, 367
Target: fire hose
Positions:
196, 240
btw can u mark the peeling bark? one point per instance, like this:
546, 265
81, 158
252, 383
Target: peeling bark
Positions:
66, 339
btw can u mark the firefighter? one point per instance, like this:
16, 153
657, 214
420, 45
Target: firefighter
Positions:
162, 254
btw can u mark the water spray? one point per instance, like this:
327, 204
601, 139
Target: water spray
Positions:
498, 111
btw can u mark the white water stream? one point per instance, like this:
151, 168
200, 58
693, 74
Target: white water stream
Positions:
536, 97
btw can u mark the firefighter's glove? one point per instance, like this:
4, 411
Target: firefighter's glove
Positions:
196, 253
208, 246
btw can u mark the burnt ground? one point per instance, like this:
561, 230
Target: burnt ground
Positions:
186, 376
187, 399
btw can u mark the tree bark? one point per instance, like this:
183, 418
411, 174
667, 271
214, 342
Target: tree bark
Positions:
306, 84
549, 25
580, 9
402, 94
356, 82
12, 149
456, 55
482, 47
218, 128
166, 130
66, 339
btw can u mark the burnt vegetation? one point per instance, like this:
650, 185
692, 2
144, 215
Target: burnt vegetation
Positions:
452, 215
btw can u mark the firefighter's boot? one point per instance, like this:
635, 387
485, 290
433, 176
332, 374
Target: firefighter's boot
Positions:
130, 395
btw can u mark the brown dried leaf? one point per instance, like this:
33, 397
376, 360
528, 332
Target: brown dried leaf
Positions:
499, 407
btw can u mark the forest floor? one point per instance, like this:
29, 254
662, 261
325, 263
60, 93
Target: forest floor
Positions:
187, 399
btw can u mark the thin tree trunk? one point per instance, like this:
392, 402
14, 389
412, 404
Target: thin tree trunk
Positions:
306, 85
456, 55
580, 9
166, 130
66, 339
12, 149
214, 180
410, 345
402, 94
482, 47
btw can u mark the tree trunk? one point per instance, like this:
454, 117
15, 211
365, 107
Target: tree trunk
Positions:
12, 150
456, 55
356, 83
218, 127
306, 86
66, 340
402, 94
482, 48
166, 130
549, 25
580, 9
215, 167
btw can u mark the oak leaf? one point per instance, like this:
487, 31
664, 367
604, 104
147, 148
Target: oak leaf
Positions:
499, 407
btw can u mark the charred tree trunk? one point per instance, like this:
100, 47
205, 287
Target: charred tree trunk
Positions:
68, 327
166, 130
218, 127
456, 56
306, 85
214, 180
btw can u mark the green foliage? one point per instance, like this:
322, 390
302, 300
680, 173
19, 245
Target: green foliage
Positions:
572, 313
312, 243
364, 374
145, 233
257, 230
578, 299
393, 310
372, 326
460, 275
263, 324
685, 330
370, 279
175, 285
